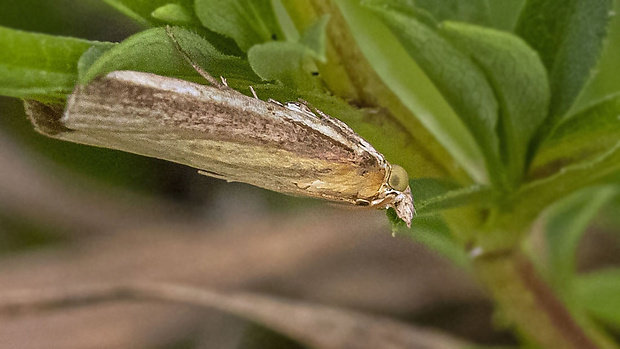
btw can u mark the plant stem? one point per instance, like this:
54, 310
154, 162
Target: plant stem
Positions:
529, 304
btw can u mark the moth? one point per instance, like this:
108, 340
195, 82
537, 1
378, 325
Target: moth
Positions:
290, 148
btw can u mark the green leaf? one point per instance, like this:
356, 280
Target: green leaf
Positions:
153, 51
537, 195
519, 80
566, 222
290, 63
605, 81
433, 232
175, 14
248, 22
568, 35
609, 220
91, 55
412, 85
39, 66
315, 38
473, 11
449, 197
496, 14
590, 132
504, 14
432, 196
84, 19
141, 10
159, 12
287, 24
405, 7
460, 81
599, 293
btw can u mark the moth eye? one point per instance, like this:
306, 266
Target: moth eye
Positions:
399, 179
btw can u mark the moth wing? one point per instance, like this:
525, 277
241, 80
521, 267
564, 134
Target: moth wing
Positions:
145, 113
181, 146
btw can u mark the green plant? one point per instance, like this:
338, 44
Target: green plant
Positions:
478, 102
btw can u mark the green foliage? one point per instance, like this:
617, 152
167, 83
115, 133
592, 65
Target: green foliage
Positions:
441, 196
565, 225
419, 93
175, 14
461, 83
149, 12
315, 38
39, 66
249, 22
287, 62
479, 103
568, 35
593, 131
480, 12
519, 82
605, 79
599, 293
435, 234
153, 51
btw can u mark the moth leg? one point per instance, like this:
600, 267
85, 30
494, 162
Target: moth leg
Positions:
271, 100
194, 65
215, 175
253, 92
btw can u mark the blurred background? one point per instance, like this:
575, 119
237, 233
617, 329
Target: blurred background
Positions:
72, 214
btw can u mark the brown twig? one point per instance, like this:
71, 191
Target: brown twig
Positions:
551, 305
529, 303
315, 325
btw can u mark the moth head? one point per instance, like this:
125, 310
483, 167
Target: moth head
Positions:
401, 199
396, 194
398, 179
404, 206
